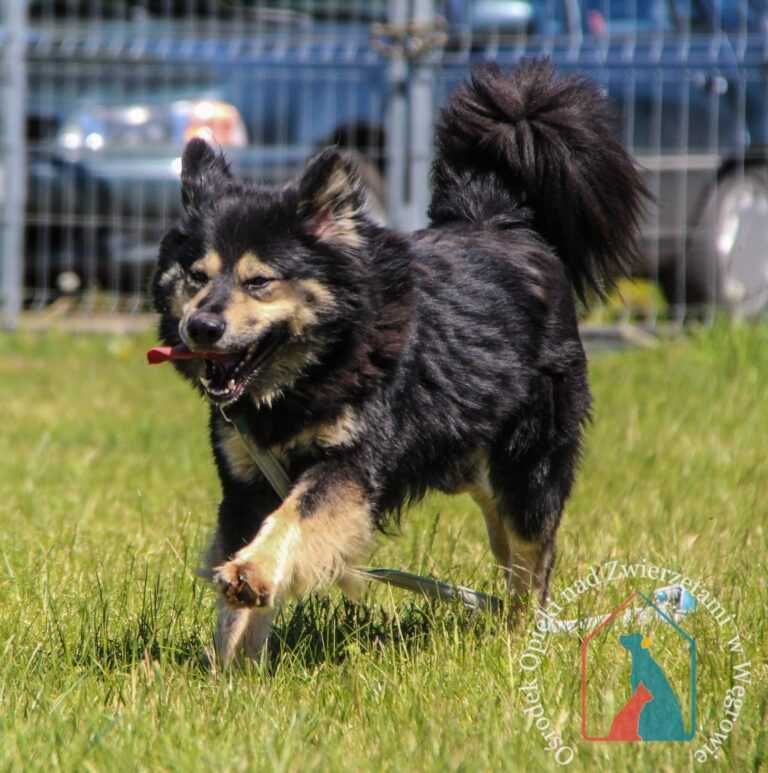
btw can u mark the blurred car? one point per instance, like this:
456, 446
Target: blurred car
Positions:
688, 80
271, 85
105, 140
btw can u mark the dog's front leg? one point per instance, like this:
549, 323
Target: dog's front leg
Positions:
248, 501
241, 628
324, 525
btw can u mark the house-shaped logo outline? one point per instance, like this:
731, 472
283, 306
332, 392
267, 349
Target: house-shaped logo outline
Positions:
691, 642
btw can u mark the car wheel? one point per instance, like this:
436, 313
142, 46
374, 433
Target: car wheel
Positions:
730, 266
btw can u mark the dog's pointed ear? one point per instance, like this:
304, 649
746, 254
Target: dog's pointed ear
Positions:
332, 200
203, 173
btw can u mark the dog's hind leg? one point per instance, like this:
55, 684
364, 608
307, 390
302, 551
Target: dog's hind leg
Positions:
525, 562
522, 498
498, 535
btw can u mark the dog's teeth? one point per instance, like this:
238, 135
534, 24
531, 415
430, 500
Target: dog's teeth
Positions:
231, 384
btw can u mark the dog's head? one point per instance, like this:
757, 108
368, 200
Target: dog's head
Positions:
266, 276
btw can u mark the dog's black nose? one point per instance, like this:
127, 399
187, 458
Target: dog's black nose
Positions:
205, 329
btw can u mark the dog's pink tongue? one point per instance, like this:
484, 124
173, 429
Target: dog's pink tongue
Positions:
159, 354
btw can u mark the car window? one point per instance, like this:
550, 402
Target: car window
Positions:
732, 16
610, 18
737, 15
481, 18
339, 10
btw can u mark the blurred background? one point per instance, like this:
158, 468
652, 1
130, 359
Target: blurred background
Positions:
99, 97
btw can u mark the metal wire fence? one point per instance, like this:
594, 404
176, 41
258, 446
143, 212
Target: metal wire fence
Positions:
100, 96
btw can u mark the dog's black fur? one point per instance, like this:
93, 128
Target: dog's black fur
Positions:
446, 359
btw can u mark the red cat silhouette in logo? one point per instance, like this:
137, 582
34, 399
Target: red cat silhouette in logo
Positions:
624, 725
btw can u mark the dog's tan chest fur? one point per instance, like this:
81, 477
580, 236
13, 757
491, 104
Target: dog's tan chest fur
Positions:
340, 431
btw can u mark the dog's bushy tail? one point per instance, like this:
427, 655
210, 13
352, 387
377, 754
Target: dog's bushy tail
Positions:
533, 140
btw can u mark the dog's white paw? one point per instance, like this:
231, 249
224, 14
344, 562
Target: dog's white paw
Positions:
243, 585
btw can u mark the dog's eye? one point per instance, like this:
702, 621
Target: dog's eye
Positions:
257, 282
197, 277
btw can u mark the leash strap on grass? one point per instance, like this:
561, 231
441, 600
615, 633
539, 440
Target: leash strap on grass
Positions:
434, 589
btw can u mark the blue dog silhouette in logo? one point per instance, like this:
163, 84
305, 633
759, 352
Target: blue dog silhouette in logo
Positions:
661, 718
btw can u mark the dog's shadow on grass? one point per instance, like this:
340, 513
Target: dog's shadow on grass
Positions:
319, 631
311, 633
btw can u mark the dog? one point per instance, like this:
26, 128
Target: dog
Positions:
377, 365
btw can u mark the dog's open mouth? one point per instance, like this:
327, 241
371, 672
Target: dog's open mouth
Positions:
226, 378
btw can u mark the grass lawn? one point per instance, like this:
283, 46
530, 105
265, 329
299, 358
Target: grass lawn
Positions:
108, 494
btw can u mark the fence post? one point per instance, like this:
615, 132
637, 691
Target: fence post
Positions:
421, 102
13, 159
397, 123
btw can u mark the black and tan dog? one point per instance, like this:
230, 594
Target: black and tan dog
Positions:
378, 365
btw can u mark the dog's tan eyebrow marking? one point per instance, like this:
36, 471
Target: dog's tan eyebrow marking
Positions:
316, 293
249, 265
210, 263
